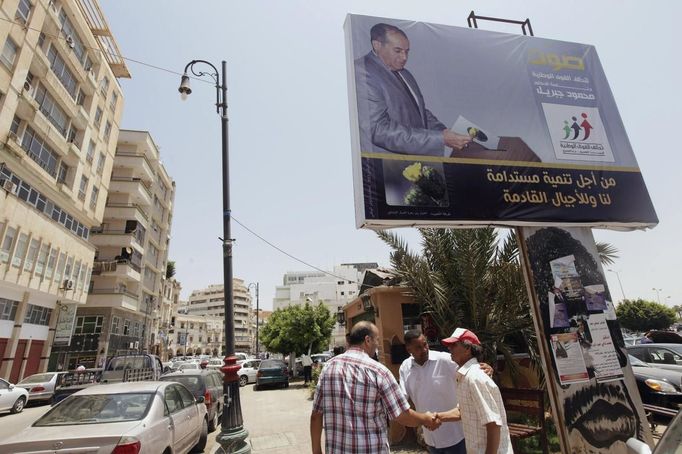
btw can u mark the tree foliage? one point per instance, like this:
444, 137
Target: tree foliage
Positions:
170, 269
468, 278
642, 315
297, 328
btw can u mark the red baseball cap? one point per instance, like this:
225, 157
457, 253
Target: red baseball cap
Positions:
461, 334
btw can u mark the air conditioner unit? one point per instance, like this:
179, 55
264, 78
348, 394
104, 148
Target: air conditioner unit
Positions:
9, 186
27, 87
70, 42
68, 284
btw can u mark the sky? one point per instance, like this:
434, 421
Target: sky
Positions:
289, 133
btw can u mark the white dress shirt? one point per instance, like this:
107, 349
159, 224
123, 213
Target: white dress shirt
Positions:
433, 387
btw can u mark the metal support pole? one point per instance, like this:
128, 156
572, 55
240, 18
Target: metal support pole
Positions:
257, 317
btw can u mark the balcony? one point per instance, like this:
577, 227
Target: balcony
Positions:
138, 163
115, 238
27, 106
125, 211
121, 268
61, 95
132, 186
113, 297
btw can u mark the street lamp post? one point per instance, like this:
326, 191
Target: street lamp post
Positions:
257, 315
619, 282
658, 294
232, 433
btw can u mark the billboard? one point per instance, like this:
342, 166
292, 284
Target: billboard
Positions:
65, 323
455, 126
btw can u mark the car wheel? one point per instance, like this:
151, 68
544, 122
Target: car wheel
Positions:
256, 387
201, 444
243, 380
286, 385
214, 422
18, 405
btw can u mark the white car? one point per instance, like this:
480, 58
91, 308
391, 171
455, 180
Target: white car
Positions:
131, 417
41, 387
12, 398
247, 374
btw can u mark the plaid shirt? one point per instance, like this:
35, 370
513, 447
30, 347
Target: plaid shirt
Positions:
357, 396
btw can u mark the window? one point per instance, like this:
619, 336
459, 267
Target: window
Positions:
114, 100
14, 127
39, 151
126, 327
9, 53
51, 261
55, 114
107, 131
69, 268
32, 253
136, 329
83, 189
76, 271
115, 321
80, 99
90, 155
60, 267
63, 73
7, 243
100, 163
93, 197
20, 250
89, 324
37, 315
8, 309
74, 40
63, 173
42, 259
23, 11
104, 86
98, 116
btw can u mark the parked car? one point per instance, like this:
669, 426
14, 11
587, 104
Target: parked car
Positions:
215, 363
122, 417
272, 372
12, 398
670, 441
248, 372
241, 357
41, 387
204, 383
320, 358
660, 387
664, 356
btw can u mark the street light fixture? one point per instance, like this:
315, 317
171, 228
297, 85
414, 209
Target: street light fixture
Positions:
232, 433
619, 282
658, 293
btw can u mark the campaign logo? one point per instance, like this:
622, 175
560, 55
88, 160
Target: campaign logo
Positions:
577, 133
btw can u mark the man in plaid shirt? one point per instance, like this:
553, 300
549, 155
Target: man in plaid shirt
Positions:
356, 396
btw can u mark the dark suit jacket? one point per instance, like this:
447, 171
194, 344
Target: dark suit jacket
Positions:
389, 120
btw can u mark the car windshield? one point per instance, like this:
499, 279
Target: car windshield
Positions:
677, 348
37, 378
188, 366
97, 409
129, 362
192, 382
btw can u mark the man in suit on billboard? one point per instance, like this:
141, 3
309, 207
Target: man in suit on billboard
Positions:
392, 113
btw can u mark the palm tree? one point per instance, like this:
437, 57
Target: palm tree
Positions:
470, 278
608, 253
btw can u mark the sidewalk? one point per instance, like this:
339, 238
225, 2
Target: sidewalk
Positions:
278, 421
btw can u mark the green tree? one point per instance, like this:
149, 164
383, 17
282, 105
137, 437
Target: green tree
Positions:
642, 315
298, 328
470, 278
608, 253
678, 310
170, 269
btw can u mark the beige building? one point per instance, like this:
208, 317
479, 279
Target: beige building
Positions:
60, 105
197, 335
126, 291
210, 301
164, 323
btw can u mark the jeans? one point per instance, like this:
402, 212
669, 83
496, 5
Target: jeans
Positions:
307, 373
459, 448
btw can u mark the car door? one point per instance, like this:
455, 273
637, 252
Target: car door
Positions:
192, 417
6, 396
178, 417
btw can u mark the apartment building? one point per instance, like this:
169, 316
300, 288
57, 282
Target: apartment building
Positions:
163, 325
197, 335
334, 289
210, 301
60, 106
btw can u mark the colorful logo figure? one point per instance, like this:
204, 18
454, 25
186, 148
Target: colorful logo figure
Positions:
585, 126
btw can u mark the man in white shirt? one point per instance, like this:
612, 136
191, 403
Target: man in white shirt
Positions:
480, 403
428, 379
307, 363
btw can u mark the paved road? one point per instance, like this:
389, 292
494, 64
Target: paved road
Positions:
11, 424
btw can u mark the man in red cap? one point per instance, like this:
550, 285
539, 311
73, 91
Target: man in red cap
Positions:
480, 407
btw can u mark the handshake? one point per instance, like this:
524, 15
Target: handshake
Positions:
431, 421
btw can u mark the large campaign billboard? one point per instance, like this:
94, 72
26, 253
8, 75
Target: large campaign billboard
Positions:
455, 126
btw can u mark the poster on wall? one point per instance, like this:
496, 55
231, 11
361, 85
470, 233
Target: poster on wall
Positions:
587, 367
457, 126
65, 323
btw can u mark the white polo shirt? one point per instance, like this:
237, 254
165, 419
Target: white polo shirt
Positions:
433, 387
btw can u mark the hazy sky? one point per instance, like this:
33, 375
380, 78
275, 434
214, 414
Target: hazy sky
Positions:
289, 130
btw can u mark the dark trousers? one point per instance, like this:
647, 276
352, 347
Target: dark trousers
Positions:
459, 448
307, 373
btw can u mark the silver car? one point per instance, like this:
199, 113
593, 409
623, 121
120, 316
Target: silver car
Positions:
131, 417
40, 387
248, 372
12, 398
